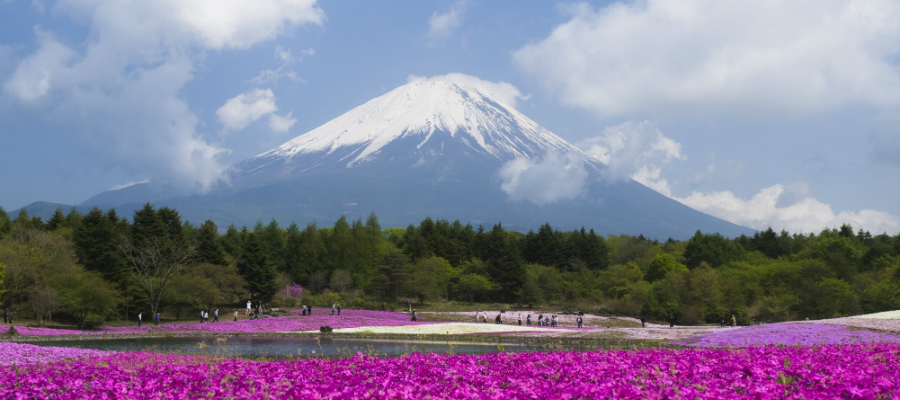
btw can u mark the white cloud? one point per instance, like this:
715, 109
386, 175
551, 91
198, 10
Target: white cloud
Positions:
748, 58
544, 181
505, 92
776, 207
284, 71
120, 90
444, 24
281, 124
241, 110
635, 150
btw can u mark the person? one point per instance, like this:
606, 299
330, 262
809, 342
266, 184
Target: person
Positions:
216, 315
733, 321
408, 306
413, 315
248, 308
553, 321
139, 320
546, 321
339, 310
333, 308
156, 319
579, 320
643, 320
303, 310
528, 320
520, 319
477, 317
497, 319
540, 319
671, 321
256, 316
10, 317
5, 315
201, 316
235, 315
309, 311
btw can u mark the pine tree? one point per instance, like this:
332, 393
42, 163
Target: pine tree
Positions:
95, 243
506, 267
73, 219
57, 220
209, 247
256, 269
5, 223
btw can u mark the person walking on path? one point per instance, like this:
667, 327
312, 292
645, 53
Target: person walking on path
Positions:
201, 316
733, 321
339, 310
139, 320
309, 310
333, 308
248, 308
156, 320
10, 317
235, 315
642, 322
540, 319
256, 316
520, 319
216, 315
5, 315
546, 321
528, 320
413, 315
579, 321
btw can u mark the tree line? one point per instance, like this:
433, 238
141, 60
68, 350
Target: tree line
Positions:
100, 265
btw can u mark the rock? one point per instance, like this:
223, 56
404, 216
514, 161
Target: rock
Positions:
325, 329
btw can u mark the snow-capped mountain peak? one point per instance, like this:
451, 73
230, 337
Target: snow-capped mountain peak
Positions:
430, 111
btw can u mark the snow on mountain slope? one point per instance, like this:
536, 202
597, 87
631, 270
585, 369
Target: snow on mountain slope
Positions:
428, 111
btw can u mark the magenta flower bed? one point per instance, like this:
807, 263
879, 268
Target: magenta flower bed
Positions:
320, 317
829, 372
788, 334
19, 354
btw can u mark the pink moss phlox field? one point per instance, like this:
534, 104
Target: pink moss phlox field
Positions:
20, 354
790, 334
817, 372
320, 317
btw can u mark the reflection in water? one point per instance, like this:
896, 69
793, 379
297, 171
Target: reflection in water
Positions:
281, 348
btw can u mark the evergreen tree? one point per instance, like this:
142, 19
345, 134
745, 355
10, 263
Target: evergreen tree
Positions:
231, 241
506, 266
96, 247
57, 220
73, 218
147, 225
272, 238
209, 247
714, 249
5, 223
256, 269
303, 253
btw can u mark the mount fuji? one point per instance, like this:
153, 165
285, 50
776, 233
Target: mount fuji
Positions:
453, 147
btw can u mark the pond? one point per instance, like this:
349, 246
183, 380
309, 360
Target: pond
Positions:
282, 348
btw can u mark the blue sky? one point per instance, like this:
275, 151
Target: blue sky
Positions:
781, 114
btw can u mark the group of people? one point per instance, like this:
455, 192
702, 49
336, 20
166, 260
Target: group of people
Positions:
733, 321
259, 309
7, 316
204, 316
336, 307
140, 318
542, 320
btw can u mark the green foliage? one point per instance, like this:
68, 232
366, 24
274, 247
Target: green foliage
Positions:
256, 269
713, 249
96, 246
209, 245
474, 286
87, 295
661, 265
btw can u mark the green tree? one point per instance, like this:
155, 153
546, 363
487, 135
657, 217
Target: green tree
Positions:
506, 267
661, 265
255, 267
5, 223
88, 295
714, 249
57, 220
474, 286
95, 246
393, 275
209, 246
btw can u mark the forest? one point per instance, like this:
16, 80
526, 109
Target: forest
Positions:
91, 268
